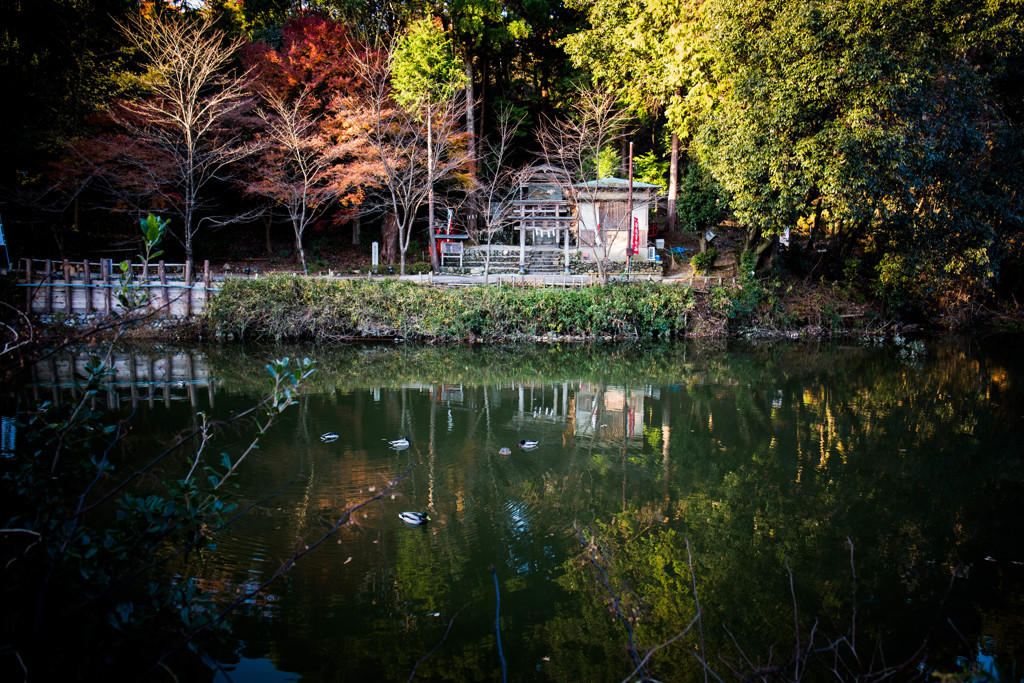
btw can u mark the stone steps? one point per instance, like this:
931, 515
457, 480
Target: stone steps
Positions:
547, 261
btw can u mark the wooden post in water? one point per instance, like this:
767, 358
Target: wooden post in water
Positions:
87, 281
55, 392
167, 380
67, 287
188, 289
133, 376
190, 377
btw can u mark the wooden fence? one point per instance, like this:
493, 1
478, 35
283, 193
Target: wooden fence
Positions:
84, 287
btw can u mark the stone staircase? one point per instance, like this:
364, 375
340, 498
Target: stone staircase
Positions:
544, 262
503, 260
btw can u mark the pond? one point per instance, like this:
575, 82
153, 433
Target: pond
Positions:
831, 510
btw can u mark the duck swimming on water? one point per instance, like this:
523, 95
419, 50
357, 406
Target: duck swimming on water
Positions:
399, 443
528, 444
415, 518
328, 436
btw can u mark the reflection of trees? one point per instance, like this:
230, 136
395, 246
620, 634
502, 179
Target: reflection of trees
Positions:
758, 457
783, 462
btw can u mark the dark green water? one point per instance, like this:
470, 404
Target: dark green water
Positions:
834, 511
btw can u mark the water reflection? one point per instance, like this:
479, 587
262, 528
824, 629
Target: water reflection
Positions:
850, 482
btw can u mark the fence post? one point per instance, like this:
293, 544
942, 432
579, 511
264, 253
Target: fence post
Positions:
188, 289
67, 287
162, 274
48, 290
105, 267
87, 281
206, 282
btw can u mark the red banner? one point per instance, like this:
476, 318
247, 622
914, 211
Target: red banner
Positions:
635, 237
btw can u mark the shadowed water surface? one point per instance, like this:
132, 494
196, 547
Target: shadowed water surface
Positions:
830, 509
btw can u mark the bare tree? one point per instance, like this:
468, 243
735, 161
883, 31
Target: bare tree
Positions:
576, 144
497, 185
179, 137
414, 152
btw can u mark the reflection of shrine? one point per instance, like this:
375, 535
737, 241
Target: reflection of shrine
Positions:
543, 402
609, 412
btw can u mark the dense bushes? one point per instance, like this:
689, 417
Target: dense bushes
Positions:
286, 307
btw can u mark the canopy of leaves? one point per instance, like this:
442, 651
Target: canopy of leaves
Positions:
639, 47
425, 70
317, 58
869, 117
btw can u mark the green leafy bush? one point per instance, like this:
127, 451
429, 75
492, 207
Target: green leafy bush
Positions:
289, 307
704, 261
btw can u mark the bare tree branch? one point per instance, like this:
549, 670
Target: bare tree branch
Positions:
575, 144
178, 140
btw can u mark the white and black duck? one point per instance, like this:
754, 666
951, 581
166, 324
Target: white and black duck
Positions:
414, 518
328, 436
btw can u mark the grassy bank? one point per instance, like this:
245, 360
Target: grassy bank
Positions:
291, 307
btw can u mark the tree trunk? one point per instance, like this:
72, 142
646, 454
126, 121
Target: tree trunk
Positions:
298, 246
673, 183
266, 233
389, 235
430, 196
763, 247
483, 94
471, 136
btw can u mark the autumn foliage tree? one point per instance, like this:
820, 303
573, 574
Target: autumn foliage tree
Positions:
414, 129
311, 157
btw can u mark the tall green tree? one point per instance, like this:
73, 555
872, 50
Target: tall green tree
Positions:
867, 120
644, 50
425, 77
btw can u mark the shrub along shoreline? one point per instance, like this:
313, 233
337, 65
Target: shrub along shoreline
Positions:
289, 307
300, 308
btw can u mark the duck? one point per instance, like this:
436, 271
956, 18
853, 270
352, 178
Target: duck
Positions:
415, 518
399, 443
528, 444
505, 450
329, 436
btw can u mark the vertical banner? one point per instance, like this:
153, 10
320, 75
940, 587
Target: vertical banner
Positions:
375, 254
635, 237
450, 216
